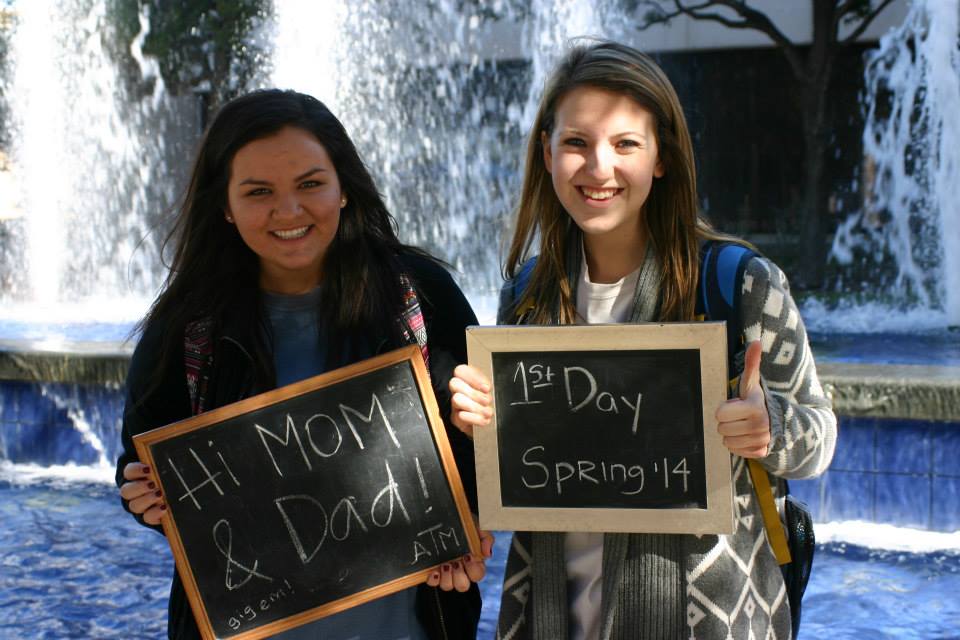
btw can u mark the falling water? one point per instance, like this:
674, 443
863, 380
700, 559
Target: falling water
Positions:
438, 113
908, 235
89, 158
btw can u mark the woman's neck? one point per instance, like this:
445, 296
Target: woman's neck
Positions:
612, 256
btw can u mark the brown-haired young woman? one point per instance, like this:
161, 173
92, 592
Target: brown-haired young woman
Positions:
609, 206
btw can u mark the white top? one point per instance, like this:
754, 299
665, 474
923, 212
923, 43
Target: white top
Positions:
596, 304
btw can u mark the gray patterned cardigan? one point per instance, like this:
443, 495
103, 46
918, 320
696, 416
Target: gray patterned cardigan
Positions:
660, 587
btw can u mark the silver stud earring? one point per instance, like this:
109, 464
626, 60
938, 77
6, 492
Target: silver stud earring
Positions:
228, 218
343, 202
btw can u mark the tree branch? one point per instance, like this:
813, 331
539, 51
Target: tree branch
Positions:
750, 19
864, 23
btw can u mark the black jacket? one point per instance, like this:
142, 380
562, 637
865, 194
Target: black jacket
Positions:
446, 615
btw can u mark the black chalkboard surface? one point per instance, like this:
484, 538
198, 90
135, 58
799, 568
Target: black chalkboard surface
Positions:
312, 498
622, 428
603, 428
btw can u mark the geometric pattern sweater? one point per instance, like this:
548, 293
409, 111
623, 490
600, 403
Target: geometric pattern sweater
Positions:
729, 587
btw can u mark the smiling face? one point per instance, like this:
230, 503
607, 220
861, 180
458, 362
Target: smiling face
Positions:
602, 157
284, 198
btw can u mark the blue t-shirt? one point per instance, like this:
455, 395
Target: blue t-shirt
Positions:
299, 351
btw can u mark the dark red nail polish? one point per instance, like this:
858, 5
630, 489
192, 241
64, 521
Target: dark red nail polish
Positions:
446, 567
150, 485
163, 507
146, 469
158, 493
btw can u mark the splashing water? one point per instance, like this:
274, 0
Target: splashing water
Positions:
438, 118
909, 230
87, 146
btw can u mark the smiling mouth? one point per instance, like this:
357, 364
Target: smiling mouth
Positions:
598, 194
291, 234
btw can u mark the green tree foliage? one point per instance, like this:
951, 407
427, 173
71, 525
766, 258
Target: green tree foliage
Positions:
205, 46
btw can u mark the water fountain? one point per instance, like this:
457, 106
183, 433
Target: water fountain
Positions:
441, 122
908, 234
90, 138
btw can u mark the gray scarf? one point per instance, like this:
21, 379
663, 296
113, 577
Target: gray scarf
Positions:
643, 575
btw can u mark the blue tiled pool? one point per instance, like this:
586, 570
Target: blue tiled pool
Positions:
74, 565
903, 472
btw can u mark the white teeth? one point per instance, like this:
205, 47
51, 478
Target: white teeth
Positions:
598, 194
291, 234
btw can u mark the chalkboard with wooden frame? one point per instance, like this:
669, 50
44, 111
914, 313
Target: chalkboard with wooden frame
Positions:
307, 500
604, 428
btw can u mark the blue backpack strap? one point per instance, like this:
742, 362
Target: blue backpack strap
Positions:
722, 265
513, 290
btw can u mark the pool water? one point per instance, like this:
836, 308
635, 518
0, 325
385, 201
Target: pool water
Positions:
73, 564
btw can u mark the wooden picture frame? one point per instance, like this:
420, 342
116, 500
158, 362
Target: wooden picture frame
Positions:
244, 467
599, 471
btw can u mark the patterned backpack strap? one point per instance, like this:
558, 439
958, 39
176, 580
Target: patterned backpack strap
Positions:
197, 361
411, 319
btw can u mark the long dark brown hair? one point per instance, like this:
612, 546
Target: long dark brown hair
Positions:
215, 275
673, 225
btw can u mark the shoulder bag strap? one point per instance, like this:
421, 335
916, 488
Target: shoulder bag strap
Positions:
197, 360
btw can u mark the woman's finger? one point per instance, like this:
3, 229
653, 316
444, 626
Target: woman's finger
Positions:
746, 441
136, 488
446, 577
472, 376
463, 402
486, 543
136, 471
433, 579
154, 515
461, 581
475, 568
751, 452
754, 425
145, 502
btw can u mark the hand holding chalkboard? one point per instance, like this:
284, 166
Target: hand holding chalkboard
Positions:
304, 501
140, 492
604, 428
470, 399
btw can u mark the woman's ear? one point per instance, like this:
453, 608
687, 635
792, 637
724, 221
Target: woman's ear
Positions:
658, 171
547, 152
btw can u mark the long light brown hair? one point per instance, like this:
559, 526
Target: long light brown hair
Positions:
672, 223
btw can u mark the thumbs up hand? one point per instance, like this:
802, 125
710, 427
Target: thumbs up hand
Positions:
744, 422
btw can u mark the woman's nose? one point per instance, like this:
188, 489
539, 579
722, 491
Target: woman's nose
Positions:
600, 162
287, 204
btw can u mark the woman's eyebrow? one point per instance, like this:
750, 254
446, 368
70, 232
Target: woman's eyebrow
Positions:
306, 174
309, 173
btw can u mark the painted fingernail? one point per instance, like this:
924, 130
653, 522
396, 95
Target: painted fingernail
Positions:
446, 567
157, 493
435, 576
146, 469
163, 507
150, 485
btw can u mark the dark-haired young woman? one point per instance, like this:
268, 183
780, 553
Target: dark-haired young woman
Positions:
287, 265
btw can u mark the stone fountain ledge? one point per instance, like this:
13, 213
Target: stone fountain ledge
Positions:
103, 363
906, 391
912, 392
